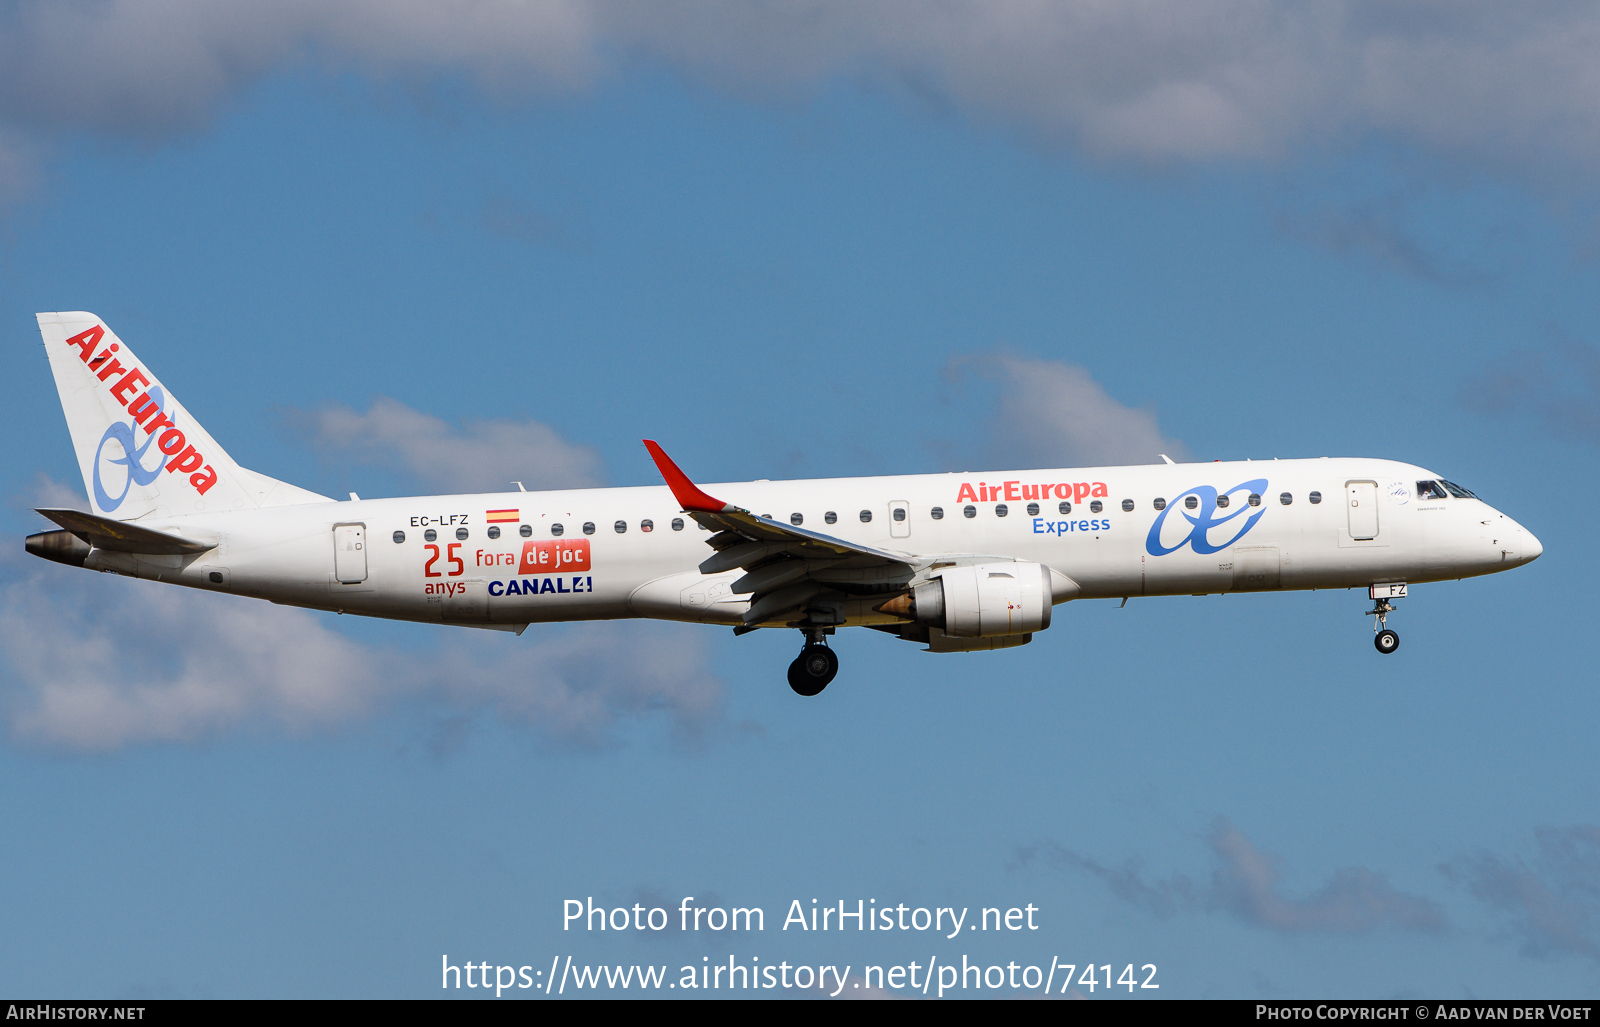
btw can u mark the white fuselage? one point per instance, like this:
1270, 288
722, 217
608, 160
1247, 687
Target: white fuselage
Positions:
374, 557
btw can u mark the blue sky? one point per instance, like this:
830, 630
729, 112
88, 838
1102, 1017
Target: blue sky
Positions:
386, 254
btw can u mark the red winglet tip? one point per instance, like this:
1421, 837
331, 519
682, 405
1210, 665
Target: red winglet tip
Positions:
685, 491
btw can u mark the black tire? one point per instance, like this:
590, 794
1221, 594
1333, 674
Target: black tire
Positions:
811, 671
1386, 642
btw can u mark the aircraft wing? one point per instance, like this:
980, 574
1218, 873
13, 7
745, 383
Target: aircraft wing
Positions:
788, 568
123, 536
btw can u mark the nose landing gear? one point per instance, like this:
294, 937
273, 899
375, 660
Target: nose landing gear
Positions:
1385, 640
816, 665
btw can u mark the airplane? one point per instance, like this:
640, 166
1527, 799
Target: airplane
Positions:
955, 562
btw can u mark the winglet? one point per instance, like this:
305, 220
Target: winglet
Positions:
688, 496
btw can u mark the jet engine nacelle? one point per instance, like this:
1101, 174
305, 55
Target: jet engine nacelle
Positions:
60, 546
987, 599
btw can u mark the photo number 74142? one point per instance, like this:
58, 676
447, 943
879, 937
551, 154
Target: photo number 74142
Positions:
1090, 978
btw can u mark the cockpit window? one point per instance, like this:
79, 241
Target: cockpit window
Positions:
1457, 490
1430, 490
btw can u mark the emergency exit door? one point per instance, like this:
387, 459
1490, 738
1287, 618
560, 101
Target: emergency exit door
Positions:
350, 553
899, 519
1362, 500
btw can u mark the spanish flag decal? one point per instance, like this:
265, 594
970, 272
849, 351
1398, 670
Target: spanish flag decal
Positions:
502, 516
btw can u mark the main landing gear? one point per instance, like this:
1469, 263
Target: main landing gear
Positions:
1385, 641
816, 665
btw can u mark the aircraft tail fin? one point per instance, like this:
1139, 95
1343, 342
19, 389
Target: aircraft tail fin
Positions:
139, 450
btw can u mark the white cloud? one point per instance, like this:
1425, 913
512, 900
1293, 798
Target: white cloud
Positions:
1553, 904
47, 492
578, 682
1557, 386
1353, 899
97, 662
1376, 229
1245, 884
480, 456
1053, 414
1504, 85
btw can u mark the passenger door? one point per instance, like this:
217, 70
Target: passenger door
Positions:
350, 553
1362, 500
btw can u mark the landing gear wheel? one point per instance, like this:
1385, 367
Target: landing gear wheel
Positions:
1386, 641
811, 671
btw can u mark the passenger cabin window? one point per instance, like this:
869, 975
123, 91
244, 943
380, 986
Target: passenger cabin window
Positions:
1096, 506
620, 527
1159, 503
866, 515
588, 527
677, 524
1222, 502
399, 537
430, 536
1065, 508
1431, 490
647, 525
969, 511
526, 531
1191, 502
1033, 509
898, 513
461, 534
1457, 490
1315, 498
796, 519
1285, 498
1000, 510
937, 513
1127, 506
830, 517
1255, 499
494, 531
556, 529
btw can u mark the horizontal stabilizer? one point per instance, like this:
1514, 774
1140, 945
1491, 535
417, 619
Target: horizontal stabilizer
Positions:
123, 537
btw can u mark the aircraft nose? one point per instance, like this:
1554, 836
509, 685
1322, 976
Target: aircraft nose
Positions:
1522, 547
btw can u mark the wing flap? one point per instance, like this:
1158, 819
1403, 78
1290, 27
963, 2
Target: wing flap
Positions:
773, 575
745, 554
123, 536
781, 600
